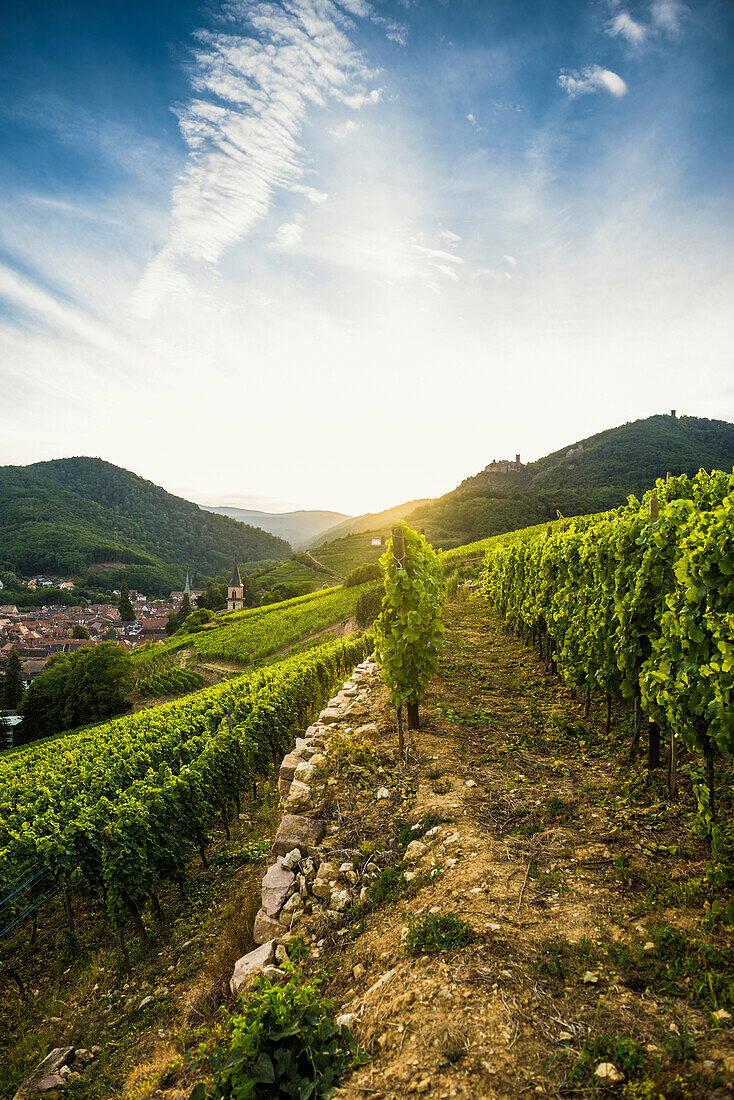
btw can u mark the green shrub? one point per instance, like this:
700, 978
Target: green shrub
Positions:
436, 932
369, 606
362, 574
283, 1042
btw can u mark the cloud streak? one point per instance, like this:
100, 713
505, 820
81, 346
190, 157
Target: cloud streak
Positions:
243, 129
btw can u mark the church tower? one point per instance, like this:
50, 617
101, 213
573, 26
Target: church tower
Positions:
235, 591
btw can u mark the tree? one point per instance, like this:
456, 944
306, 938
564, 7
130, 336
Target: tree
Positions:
177, 618
127, 613
79, 631
409, 629
87, 686
368, 606
370, 571
13, 689
214, 597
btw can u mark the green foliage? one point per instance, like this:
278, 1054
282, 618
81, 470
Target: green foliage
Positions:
636, 604
197, 619
259, 632
363, 574
286, 590
79, 631
409, 629
73, 515
214, 596
614, 463
127, 614
283, 1043
13, 688
433, 932
125, 804
160, 677
72, 691
626, 1054
369, 606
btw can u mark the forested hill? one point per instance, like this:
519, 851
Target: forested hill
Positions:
610, 466
72, 515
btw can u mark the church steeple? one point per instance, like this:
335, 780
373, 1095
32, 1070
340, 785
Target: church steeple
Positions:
235, 591
187, 586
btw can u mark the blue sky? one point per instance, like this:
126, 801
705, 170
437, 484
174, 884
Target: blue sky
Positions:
342, 253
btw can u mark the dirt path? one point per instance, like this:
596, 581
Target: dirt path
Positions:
320, 565
587, 944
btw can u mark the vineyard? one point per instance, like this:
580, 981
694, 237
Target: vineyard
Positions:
114, 810
638, 603
248, 636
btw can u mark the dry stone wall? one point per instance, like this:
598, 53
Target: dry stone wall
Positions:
300, 877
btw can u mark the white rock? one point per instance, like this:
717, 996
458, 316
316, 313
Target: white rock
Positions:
607, 1071
415, 850
299, 798
382, 793
251, 964
470, 783
291, 861
346, 1019
304, 773
341, 899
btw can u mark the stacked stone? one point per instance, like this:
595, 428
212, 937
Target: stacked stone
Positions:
299, 877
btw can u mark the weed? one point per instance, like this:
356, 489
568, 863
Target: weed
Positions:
436, 932
283, 1042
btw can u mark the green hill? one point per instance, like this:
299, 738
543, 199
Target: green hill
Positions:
604, 470
86, 517
601, 473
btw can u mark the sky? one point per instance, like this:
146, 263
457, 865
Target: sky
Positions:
343, 253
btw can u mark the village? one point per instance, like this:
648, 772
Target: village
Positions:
36, 634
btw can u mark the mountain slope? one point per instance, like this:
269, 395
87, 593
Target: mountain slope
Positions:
74, 515
610, 466
298, 528
603, 472
372, 521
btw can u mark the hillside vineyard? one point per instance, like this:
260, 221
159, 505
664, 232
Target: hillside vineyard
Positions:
115, 809
638, 603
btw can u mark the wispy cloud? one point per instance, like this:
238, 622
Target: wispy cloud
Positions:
668, 15
592, 79
254, 85
624, 26
344, 129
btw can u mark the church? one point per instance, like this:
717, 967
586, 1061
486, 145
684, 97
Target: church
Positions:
235, 591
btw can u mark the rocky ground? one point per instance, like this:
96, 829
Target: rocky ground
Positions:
517, 910
585, 968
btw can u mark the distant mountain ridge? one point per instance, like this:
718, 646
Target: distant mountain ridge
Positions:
298, 528
82, 515
372, 521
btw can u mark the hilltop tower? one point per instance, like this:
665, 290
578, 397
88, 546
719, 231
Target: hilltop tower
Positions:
235, 591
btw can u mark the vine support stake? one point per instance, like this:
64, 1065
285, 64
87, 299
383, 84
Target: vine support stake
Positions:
636, 724
608, 726
673, 766
653, 746
69, 916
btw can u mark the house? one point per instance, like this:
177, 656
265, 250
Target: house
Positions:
377, 542
65, 584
